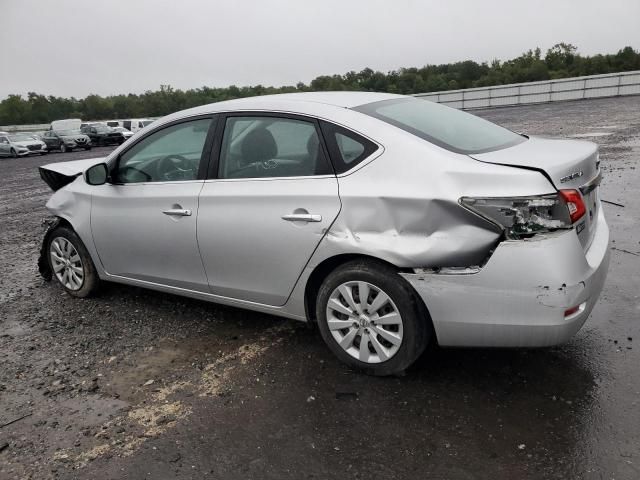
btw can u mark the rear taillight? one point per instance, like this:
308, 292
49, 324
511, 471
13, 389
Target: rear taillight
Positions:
521, 217
575, 204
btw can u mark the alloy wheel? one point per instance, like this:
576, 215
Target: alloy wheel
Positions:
364, 321
66, 263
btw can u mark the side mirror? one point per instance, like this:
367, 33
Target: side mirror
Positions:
97, 175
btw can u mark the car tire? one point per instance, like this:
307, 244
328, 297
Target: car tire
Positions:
78, 274
43, 153
410, 333
63, 148
87, 148
13, 153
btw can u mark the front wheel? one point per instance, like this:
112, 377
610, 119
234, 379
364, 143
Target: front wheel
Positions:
71, 263
63, 148
371, 318
13, 153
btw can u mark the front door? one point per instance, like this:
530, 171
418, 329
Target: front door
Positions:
144, 222
273, 200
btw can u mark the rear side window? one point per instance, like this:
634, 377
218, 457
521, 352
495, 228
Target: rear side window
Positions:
347, 149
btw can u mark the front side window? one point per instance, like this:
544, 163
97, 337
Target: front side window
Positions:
171, 154
444, 126
259, 147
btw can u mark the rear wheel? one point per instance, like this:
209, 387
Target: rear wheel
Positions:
70, 263
371, 318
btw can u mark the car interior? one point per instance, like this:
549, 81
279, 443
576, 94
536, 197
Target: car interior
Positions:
270, 147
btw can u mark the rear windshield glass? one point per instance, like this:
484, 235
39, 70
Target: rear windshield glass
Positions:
446, 127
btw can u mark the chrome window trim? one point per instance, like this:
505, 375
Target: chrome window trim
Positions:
268, 179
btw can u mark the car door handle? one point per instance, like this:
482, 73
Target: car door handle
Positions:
178, 212
302, 217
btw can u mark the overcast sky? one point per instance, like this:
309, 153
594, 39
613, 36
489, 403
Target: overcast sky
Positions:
78, 47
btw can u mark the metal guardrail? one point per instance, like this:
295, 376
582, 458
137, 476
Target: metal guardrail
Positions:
576, 88
24, 128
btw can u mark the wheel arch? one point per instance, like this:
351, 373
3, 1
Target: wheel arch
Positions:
43, 263
328, 265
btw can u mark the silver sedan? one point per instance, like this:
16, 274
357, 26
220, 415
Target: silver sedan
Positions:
389, 221
21, 145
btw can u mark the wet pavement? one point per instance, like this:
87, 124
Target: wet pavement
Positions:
137, 384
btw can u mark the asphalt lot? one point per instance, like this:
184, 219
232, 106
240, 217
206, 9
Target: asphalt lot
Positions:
137, 384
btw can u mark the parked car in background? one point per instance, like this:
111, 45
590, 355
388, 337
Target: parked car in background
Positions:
100, 134
66, 140
388, 221
127, 134
66, 124
136, 124
21, 145
36, 135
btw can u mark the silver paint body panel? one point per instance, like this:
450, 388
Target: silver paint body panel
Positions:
400, 205
249, 251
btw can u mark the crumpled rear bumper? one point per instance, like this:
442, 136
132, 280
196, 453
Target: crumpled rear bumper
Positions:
519, 298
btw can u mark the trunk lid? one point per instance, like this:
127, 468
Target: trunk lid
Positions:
568, 164
57, 175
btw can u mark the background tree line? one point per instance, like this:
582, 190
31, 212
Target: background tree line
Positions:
560, 61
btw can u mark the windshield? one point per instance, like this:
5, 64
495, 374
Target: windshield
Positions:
20, 138
103, 129
68, 132
446, 127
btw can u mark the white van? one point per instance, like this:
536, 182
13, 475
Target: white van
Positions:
68, 124
135, 124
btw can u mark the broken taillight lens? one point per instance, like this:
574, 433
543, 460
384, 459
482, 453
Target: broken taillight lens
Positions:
575, 204
521, 217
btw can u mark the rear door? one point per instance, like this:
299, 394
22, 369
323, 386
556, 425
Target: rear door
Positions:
144, 221
271, 200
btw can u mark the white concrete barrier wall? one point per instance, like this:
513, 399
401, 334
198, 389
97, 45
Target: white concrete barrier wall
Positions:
594, 86
576, 88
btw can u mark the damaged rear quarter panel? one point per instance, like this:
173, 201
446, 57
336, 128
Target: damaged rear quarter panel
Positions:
403, 207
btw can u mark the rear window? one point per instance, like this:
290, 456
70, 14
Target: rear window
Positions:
446, 127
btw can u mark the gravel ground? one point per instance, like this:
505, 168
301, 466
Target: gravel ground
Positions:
137, 384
